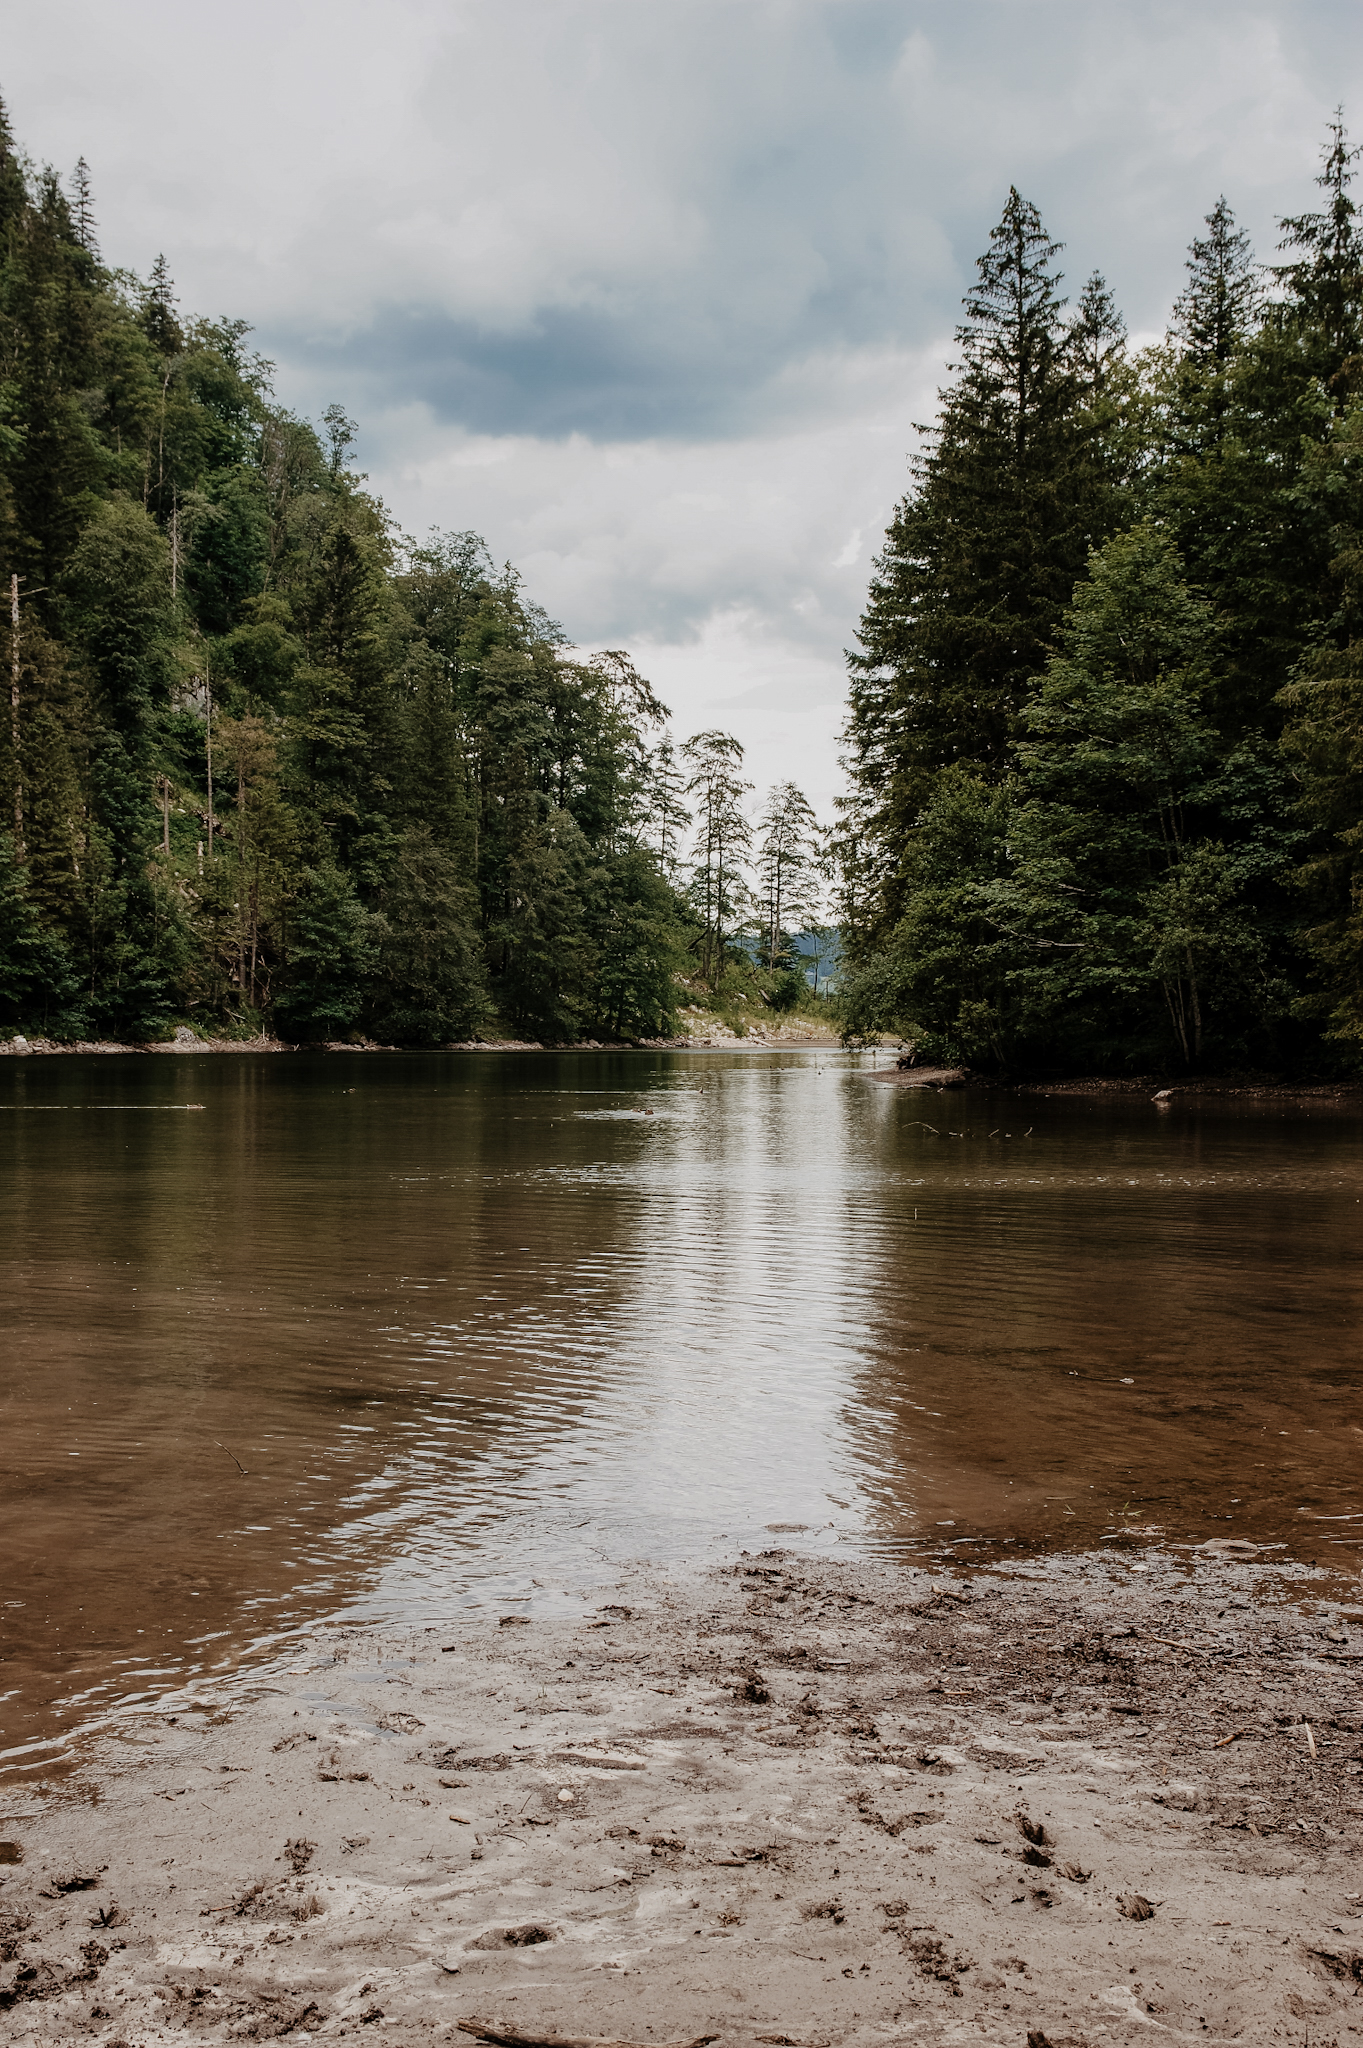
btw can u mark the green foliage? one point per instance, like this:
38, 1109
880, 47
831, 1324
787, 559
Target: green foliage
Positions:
1019, 478
1323, 742
333, 947
429, 984
1105, 810
38, 982
787, 989
269, 762
718, 892
641, 949
1100, 902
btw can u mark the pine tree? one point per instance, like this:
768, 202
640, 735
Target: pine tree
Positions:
38, 983
1325, 282
723, 836
159, 322
401, 797
430, 985
1100, 906
666, 816
83, 208
983, 554
332, 948
13, 184
1229, 489
1221, 302
1097, 337
785, 858
341, 436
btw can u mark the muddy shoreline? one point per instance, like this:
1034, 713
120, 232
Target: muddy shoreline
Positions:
1163, 1091
1108, 1798
760, 1036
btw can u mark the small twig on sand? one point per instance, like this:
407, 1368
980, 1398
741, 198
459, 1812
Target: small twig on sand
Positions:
233, 1456
511, 2037
1234, 1736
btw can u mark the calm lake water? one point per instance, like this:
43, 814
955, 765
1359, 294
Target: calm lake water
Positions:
475, 1326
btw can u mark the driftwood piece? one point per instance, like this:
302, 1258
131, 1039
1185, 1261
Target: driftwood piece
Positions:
919, 1077
512, 2037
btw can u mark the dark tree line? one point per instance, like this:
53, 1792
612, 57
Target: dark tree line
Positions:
264, 762
1106, 727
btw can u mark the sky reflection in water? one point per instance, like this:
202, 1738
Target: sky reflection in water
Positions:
476, 1326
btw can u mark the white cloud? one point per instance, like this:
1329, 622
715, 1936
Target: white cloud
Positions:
724, 565
652, 294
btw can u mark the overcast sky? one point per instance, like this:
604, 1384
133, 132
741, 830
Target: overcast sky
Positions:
650, 292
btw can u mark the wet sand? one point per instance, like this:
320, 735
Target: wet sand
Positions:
1111, 1798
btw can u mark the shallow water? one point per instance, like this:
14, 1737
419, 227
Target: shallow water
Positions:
477, 1325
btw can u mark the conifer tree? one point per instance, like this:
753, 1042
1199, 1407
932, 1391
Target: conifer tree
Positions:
1097, 337
260, 769
1325, 281
159, 322
982, 555
723, 836
1220, 304
83, 208
666, 816
1245, 404
785, 859
13, 187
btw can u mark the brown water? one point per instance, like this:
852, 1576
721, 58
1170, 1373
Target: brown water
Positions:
476, 1326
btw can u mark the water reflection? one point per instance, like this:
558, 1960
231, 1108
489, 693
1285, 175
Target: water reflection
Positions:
385, 1334
1146, 1319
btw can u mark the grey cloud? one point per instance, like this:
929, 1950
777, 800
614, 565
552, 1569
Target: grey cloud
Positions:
615, 219
652, 294
820, 176
573, 371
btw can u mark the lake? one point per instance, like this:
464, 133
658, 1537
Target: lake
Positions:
291, 1337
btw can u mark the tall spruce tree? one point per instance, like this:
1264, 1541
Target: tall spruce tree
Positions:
1246, 405
83, 208
980, 560
1324, 282
1097, 337
1220, 304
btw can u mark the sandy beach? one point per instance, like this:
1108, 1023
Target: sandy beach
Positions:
1109, 1798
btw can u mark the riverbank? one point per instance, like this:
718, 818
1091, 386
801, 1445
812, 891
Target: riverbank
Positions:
1099, 1799
703, 1034
1148, 1087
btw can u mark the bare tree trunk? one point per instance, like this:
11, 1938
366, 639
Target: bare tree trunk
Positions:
14, 716
208, 701
255, 934
1173, 996
161, 442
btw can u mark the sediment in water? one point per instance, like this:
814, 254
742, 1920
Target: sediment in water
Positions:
789, 1800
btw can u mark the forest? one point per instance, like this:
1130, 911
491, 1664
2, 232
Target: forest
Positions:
1105, 736
269, 765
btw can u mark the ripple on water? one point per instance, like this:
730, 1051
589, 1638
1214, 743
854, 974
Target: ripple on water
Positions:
383, 1336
